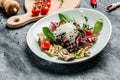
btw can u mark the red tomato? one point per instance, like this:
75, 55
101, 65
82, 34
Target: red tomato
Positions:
39, 4
35, 12
49, 4
48, 0
45, 45
88, 32
44, 10
93, 2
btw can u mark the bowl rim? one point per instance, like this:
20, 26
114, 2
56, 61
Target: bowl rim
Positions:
71, 62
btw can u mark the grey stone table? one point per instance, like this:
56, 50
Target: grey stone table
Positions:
17, 62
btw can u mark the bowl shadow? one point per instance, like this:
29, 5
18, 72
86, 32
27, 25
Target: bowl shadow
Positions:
62, 69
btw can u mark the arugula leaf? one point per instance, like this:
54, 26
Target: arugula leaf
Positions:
65, 18
49, 35
98, 26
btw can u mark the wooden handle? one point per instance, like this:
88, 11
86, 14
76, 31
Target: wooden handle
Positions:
21, 20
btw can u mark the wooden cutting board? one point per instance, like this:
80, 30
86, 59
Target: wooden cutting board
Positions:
21, 20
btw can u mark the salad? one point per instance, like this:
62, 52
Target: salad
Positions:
67, 39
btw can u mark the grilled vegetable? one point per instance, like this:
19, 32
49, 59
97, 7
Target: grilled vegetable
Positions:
65, 55
53, 50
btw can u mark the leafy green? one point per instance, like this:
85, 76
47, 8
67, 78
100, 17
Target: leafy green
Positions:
86, 18
82, 31
76, 55
98, 26
78, 26
61, 2
85, 25
49, 35
65, 18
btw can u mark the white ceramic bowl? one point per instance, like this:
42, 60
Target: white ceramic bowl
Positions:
93, 15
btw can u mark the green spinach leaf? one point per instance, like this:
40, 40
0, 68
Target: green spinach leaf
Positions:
98, 26
65, 18
49, 35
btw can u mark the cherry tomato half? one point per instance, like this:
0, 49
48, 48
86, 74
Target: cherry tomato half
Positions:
35, 12
88, 32
45, 45
44, 10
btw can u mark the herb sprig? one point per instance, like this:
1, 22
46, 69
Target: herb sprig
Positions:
61, 2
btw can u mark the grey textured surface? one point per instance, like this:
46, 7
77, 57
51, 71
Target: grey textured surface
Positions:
17, 62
